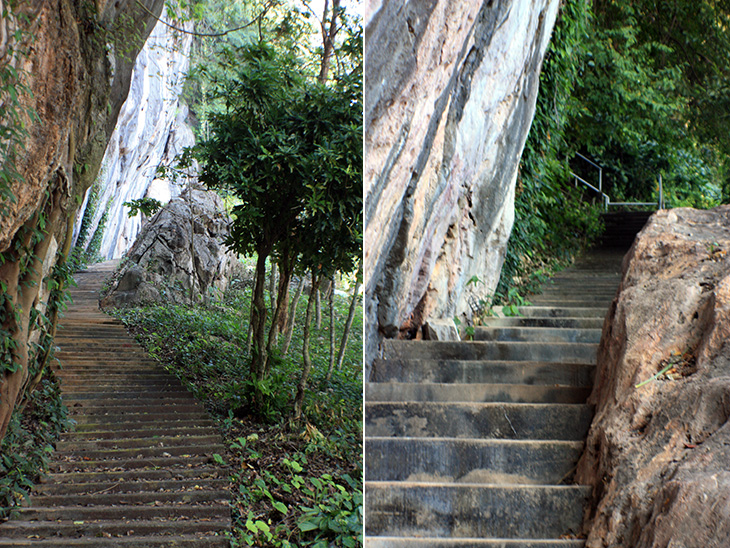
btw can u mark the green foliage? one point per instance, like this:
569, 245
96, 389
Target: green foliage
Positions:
86, 250
552, 221
146, 206
648, 97
26, 448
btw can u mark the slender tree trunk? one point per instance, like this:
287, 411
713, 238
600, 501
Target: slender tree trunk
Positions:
272, 288
331, 365
307, 361
318, 306
283, 287
258, 320
292, 316
328, 38
348, 323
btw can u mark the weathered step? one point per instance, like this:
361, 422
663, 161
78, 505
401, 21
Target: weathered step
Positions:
173, 392
112, 465
149, 433
153, 541
107, 528
142, 452
130, 443
510, 351
153, 474
572, 301
131, 499
105, 415
83, 385
474, 392
559, 311
122, 426
473, 510
136, 405
517, 321
451, 460
537, 334
420, 542
146, 512
130, 486
478, 420
489, 372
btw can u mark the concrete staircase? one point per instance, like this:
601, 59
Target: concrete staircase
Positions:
137, 470
475, 443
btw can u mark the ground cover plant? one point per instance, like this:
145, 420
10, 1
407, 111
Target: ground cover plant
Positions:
293, 483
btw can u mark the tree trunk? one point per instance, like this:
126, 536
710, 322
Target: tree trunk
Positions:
307, 362
272, 290
292, 316
258, 320
331, 365
318, 306
328, 39
348, 323
285, 273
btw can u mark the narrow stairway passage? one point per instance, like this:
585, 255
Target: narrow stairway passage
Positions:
474, 443
137, 469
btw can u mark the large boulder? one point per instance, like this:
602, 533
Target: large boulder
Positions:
657, 454
450, 91
163, 266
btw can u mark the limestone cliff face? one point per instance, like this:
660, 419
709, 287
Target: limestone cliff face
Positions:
450, 91
78, 68
150, 130
657, 454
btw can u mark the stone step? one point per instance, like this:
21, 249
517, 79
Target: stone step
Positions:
152, 394
149, 434
126, 485
569, 323
178, 497
183, 473
162, 540
487, 372
452, 460
111, 413
478, 420
112, 465
420, 542
129, 443
161, 402
133, 425
537, 334
478, 350
559, 312
473, 510
72, 452
474, 392
144, 512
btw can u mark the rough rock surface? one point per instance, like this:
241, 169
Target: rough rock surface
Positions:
450, 91
658, 455
161, 267
151, 130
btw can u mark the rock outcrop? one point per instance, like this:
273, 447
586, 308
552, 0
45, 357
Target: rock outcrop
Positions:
657, 454
151, 130
163, 266
78, 72
450, 92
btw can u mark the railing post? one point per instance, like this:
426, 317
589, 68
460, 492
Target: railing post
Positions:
600, 180
661, 193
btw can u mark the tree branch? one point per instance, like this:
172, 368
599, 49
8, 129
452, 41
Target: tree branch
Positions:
208, 34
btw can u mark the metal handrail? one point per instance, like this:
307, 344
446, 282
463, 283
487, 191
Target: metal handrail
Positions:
605, 197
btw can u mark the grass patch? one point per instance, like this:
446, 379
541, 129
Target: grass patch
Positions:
293, 485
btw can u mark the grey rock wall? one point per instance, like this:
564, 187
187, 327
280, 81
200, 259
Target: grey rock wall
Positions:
151, 130
450, 90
